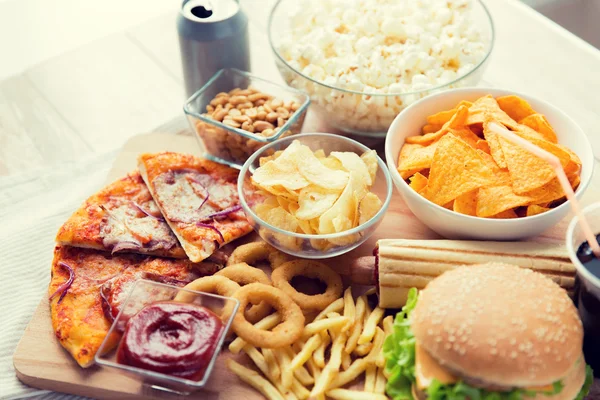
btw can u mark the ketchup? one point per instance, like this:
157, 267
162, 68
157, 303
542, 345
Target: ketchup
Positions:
172, 338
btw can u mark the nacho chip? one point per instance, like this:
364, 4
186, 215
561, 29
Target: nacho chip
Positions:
444, 116
414, 158
466, 135
515, 107
535, 209
508, 214
493, 141
418, 182
466, 203
501, 176
456, 121
483, 146
456, 169
529, 172
430, 128
496, 199
540, 124
575, 181
487, 107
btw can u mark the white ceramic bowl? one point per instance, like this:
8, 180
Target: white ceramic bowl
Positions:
459, 226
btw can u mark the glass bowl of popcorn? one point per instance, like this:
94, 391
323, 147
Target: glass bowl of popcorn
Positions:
363, 61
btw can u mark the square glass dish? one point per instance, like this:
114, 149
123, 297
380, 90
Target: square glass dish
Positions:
229, 136
145, 293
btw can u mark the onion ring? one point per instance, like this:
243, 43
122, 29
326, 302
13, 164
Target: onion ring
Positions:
283, 275
243, 274
284, 334
209, 284
252, 252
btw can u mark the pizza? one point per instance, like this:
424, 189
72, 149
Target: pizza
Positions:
122, 217
88, 287
198, 198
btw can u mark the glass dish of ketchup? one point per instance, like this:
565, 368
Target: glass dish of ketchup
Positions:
169, 345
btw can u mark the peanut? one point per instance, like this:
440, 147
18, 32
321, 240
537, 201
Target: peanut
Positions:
250, 110
272, 117
262, 125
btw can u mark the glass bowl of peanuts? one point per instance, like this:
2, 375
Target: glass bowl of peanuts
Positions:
235, 113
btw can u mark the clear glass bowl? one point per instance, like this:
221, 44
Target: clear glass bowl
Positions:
316, 246
362, 113
144, 293
233, 146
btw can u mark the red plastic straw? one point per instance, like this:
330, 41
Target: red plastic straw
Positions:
560, 174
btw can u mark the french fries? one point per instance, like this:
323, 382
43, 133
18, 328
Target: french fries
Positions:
268, 322
254, 379
345, 394
342, 344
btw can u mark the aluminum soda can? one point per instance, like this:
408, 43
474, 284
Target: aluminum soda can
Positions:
213, 34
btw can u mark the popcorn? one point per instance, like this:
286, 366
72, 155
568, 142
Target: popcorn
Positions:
378, 47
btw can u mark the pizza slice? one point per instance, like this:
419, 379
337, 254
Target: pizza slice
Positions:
198, 198
122, 217
88, 287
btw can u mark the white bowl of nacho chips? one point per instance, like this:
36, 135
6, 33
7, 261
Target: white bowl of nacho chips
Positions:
464, 183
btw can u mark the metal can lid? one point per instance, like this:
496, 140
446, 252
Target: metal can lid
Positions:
209, 10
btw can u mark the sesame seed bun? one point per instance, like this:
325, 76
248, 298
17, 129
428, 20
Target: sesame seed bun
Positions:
499, 325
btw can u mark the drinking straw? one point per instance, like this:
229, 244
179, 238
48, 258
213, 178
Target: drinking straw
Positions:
560, 174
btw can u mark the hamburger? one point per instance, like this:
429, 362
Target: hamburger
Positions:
489, 332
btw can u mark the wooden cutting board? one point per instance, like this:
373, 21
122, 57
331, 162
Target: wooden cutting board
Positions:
41, 362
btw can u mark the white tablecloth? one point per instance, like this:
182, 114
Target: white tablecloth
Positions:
32, 208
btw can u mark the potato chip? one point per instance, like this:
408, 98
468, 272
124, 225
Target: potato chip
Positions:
457, 121
344, 205
368, 207
315, 172
496, 199
371, 161
414, 158
418, 182
314, 200
466, 203
540, 124
320, 153
327, 203
456, 169
487, 107
515, 107
275, 174
342, 223
535, 210
354, 165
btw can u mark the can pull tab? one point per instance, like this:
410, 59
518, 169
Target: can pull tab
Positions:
202, 10
207, 11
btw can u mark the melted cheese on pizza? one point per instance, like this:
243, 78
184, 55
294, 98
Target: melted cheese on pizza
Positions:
188, 190
111, 220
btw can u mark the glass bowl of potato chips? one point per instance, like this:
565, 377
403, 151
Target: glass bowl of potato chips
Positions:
315, 195
464, 181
